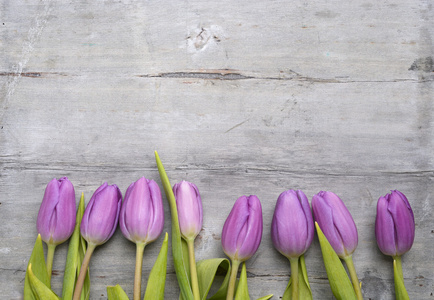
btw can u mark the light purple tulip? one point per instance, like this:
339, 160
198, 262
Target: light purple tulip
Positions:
242, 231
394, 225
189, 206
336, 222
56, 217
100, 217
292, 227
142, 215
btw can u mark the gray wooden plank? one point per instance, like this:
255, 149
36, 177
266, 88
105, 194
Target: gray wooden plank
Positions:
241, 98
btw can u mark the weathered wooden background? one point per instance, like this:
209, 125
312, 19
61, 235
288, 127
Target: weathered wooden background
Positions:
240, 97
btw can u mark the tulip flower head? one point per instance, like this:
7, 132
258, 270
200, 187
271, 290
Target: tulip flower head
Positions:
142, 215
292, 227
336, 222
242, 231
189, 206
100, 218
56, 217
394, 224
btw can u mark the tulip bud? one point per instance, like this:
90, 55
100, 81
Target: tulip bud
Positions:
336, 222
142, 215
292, 226
394, 224
56, 217
189, 206
242, 231
100, 218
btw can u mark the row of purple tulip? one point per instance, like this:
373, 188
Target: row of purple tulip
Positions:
141, 219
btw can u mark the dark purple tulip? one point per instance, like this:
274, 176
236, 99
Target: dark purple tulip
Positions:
189, 206
394, 225
56, 217
292, 226
336, 222
100, 218
242, 231
142, 215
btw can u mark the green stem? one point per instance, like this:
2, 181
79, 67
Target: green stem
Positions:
233, 279
400, 291
356, 284
140, 247
83, 271
50, 257
193, 271
294, 277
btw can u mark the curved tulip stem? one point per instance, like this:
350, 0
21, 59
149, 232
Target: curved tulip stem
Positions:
356, 284
50, 257
83, 271
140, 247
193, 271
398, 276
233, 279
294, 277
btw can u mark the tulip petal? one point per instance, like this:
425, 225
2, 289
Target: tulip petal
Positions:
343, 222
101, 216
324, 217
242, 231
234, 224
385, 228
157, 221
63, 221
291, 224
404, 222
189, 205
309, 219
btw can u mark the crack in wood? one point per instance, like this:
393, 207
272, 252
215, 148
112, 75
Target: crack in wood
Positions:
228, 74
220, 75
32, 74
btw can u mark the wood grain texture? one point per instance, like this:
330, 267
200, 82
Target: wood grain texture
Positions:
240, 97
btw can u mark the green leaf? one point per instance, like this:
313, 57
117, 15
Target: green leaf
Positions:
339, 282
207, 270
157, 277
177, 251
39, 269
400, 291
116, 293
242, 292
40, 290
304, 290
75, 258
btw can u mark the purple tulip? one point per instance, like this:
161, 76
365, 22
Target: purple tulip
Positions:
242, 231
189, 206
336, 222
394, 225
292, 226
100, 218
142, 215
56, 217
